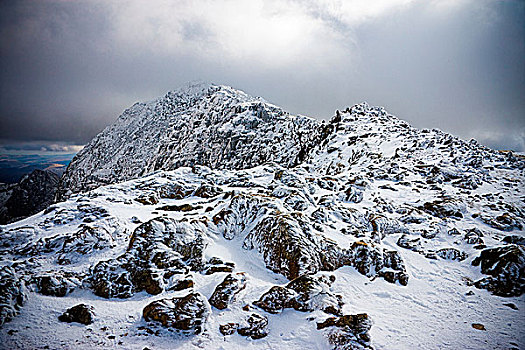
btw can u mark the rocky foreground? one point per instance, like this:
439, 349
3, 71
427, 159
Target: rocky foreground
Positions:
211, 219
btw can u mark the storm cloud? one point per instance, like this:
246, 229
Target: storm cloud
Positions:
69, 68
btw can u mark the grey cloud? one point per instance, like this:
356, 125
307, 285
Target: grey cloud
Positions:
69, 68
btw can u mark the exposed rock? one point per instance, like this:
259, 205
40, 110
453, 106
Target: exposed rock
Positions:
80, 313
305, 293
445, 208
55, 285
506, 267
473, 236
348, 331
514, 239
478, 326
504, 222
188, 313
148, 199
33, 193
228, 328
13, 294
159, 251
451, 254
226, 291
407, 242
255, 327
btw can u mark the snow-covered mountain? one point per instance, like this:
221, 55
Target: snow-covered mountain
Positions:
204, 124
211, 219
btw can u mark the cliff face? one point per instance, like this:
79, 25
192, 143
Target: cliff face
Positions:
32, 194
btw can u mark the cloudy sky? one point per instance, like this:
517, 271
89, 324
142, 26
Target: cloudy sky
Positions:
69, 68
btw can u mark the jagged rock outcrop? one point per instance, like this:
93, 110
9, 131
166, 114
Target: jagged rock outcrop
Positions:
187, 314
506, 267
160, 254
305, 293
33, 193
204, 124
226, 290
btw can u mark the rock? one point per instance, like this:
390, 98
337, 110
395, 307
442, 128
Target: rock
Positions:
255, 327
445, 208
228, 328
473, 236
451, 254
478, 326
13, 294
506, 267
33, 193
55, 285
226, 291
407, 242
187, 314
504, 222
514, 239
148, 199
305, 293
348, 331
158, 250
80, 313
184, 207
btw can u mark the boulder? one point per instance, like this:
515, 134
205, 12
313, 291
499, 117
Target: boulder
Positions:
348, 331
305, 293
187, 314
80, 313
451, 254
226, 291
505, 266
255, 327
159, 251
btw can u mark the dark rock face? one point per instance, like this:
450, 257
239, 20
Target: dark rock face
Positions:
160, 253
348, 331
506, 267
12, 294
33, 193
54, 285
254, 327
225, 292
187, 313
80, 313
305, 293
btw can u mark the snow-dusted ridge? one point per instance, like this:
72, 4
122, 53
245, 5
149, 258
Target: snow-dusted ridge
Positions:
418, 229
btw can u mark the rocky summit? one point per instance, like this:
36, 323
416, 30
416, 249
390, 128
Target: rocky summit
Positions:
208, 218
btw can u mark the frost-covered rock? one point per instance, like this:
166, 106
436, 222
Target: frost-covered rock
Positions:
187, 314
13, 294
226, 290
348, 332
160, 253
80, 313
305, 293
506, 267
254, 327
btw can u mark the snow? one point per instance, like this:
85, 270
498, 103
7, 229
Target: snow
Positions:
435, 310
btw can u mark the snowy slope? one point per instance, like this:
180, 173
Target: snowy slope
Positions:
397, 215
